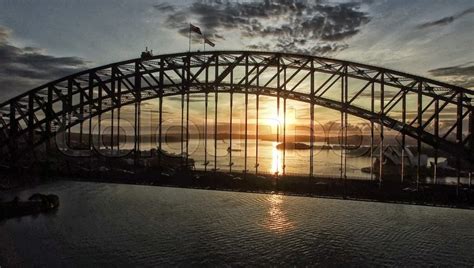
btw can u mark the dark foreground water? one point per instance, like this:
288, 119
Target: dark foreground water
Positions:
111, 224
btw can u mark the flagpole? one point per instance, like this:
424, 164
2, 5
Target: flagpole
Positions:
189, 49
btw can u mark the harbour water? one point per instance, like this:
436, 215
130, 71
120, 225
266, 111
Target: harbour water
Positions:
126, 225
270, 160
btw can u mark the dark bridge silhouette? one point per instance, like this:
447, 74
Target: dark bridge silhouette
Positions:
29, 119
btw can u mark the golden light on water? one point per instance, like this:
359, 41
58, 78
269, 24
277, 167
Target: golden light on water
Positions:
276, 219
277, 159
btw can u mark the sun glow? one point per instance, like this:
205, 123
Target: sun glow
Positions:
276, 219
277, 159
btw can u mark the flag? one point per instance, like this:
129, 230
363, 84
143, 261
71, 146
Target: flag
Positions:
194, 29
207, 41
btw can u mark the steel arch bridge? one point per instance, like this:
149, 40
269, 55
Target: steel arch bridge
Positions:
413, 106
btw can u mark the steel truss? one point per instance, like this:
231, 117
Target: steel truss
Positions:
36, 116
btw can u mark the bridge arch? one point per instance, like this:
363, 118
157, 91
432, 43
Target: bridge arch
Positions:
29, 119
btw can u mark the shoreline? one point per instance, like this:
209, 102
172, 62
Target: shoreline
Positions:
355, 190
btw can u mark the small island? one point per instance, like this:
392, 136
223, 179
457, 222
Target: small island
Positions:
293, 146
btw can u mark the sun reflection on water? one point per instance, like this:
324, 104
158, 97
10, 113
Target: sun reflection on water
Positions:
276, 219
277, 159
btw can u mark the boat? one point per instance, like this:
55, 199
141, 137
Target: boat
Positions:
233, 150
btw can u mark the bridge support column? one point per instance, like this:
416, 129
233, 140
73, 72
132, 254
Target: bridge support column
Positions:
160, 107
138, 99
216, 72
231, 117
404, 118
182, 156
246, 112
284, 124
459, 140
206, 101
311, 124
112, 118
341, 134
471, 143
436, 133
119, 97
81, 124
345, 126
99, 119
418, 138
188, 81
372, 109
382, 150
278, 116
256, 125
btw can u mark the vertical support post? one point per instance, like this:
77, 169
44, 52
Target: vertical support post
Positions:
188, 81
372, 109
382, 114
284, 122
69, 119
13, 132
99, 118
119, 98
231, 118
341, 134
418, 138
160, 107
91, 98
112, 85
459, 139
216, 88
183, 85
246, 111
346, 92
256, 126
31, 118
404, 118
436, 133
138, 99
81, 110
311, 122
49, 106
278, 113
471, 142
206, 99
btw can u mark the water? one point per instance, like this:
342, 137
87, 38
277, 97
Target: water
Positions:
270, 159
111, 224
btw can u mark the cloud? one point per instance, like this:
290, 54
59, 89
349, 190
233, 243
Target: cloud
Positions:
445, 20
23, 68
460, 75
164, 7
283, 25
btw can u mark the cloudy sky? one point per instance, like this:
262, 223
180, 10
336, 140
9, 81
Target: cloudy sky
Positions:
44, 40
